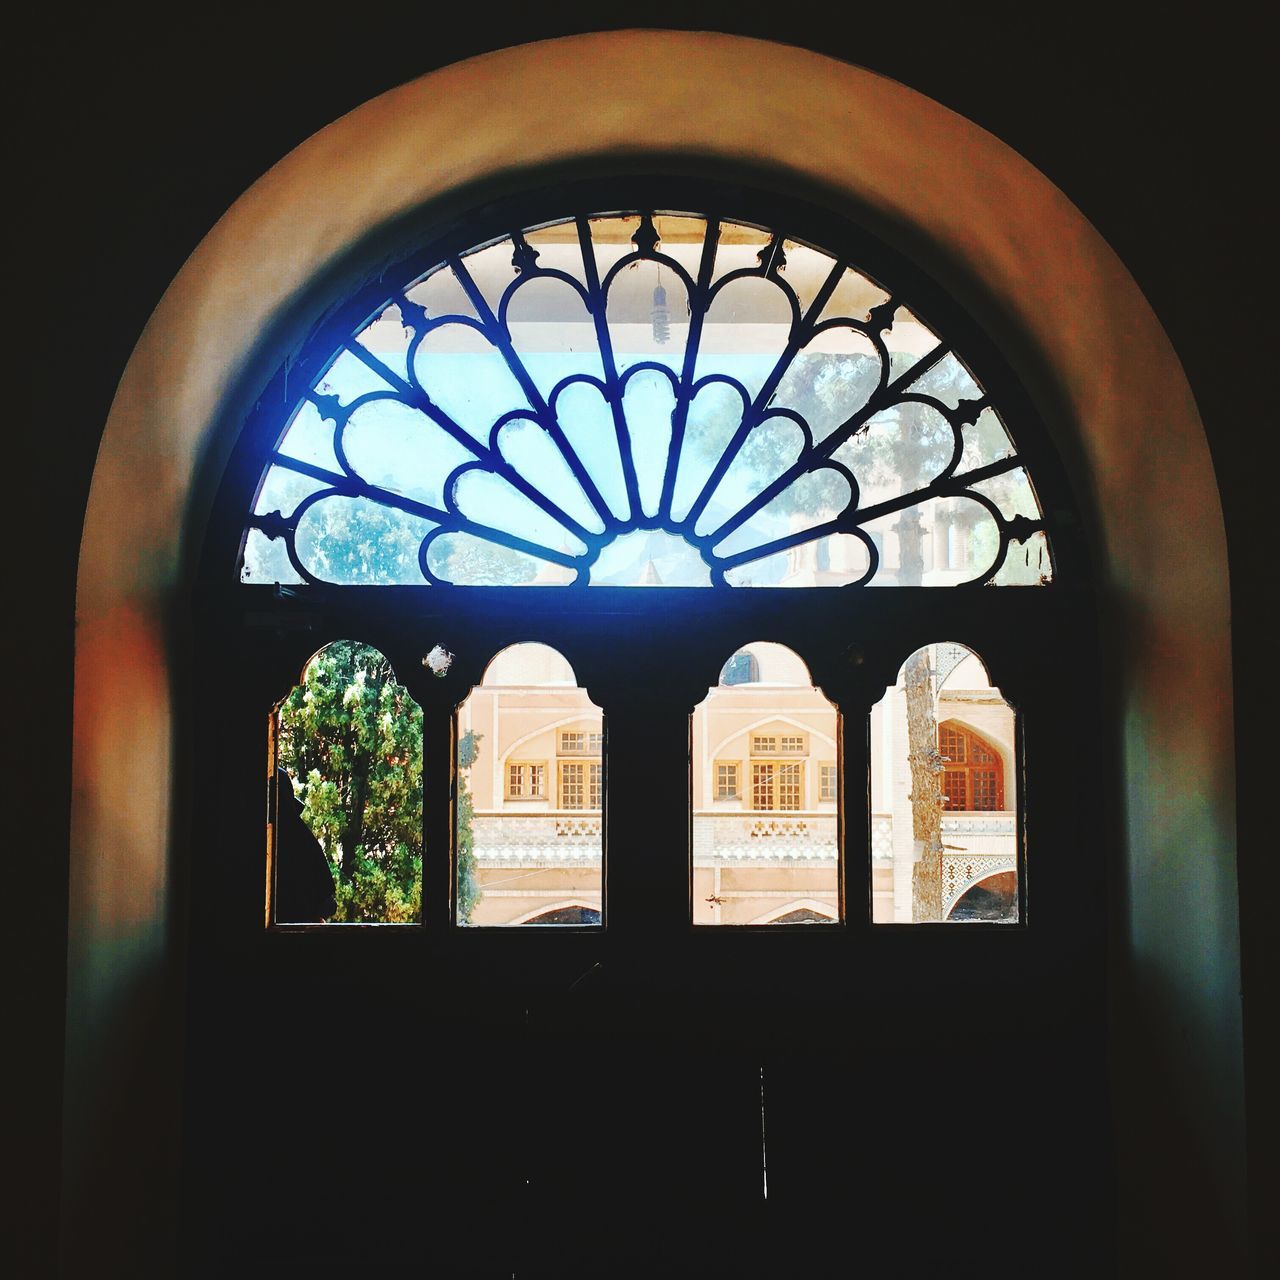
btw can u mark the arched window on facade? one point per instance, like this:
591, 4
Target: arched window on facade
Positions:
973, 772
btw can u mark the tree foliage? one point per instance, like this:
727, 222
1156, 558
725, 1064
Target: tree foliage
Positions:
486, 563
468, 887
351, 739
350, 736
909, 447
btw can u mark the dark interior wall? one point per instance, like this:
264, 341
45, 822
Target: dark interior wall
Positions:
142, 134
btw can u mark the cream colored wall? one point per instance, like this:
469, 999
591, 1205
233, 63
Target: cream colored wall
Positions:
529, 664
782, 699
521, 724
510, 895
528, 694
982, 221
751, 895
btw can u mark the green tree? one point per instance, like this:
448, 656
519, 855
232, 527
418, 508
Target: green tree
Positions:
468, 889
360, 541
351, 738
470, 560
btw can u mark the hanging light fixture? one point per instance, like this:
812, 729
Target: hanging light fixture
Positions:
660, 317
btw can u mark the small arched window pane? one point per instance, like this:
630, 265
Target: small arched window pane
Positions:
646, 399
347, 796
530, 797
765, 795
944, 823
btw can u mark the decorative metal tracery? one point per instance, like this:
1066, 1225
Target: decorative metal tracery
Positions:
646, 399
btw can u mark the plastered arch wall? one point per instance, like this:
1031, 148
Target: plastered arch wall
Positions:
979, 218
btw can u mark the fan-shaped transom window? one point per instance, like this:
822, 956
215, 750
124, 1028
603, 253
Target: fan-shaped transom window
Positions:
645, 399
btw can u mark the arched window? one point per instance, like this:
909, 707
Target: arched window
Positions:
528, 794
973, 771
765, 795
941, 816
769, 469
639, 402
989, 244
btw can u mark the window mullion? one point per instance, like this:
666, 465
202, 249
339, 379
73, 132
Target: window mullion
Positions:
647, 818
438, 741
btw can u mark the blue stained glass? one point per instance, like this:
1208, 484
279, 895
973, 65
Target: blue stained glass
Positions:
465, 558
816, 498
493, 502
283, 489
354, 540
650, 559
348, 378
715, 413
309, 438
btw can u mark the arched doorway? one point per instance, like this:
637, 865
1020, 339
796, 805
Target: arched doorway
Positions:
124, 618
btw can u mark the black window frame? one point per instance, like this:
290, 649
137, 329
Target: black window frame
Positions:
853, 639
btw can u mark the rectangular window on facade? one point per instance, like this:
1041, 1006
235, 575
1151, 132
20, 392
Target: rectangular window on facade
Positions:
790, 786
728, 780
777, 784
792, 744
763, 793
577, 742
986, 789
828, 782
526, 780
581, 784
573, 785
951, 743
763, 744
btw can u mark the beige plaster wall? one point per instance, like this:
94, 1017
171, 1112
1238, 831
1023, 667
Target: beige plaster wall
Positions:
957, 199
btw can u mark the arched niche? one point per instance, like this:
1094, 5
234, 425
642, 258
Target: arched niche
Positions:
979, 218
